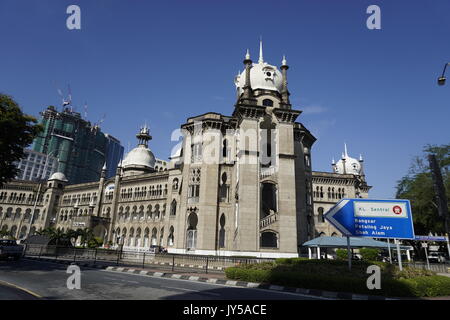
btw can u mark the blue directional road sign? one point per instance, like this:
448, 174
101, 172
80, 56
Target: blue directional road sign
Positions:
373, 218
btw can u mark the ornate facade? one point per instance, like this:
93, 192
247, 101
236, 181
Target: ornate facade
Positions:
346, 181
239, 184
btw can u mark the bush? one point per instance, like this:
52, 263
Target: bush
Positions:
369, 254
341, 254
333, 275
95, 242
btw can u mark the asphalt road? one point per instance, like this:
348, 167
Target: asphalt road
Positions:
48, 281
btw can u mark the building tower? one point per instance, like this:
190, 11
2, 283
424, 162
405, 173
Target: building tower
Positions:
79, 147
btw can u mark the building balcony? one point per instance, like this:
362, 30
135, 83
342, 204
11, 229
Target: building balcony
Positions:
267, 172
268, 220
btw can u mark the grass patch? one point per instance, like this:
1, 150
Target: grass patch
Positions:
333, 275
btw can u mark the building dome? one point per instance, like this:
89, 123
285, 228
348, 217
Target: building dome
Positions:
140, 156
262, 76
352, 166
348, 165
58, 176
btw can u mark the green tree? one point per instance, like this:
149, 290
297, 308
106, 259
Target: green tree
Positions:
17, 131
417, 186
86, 235
369, 254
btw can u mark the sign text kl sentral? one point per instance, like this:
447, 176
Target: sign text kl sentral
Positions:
373, 218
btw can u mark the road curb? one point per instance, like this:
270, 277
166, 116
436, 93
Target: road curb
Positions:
244, 284
234, 283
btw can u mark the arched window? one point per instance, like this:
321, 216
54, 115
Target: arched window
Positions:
137, 241
173, 208
267, 103
269, 239
225, 149
146, 237
161, 237
268, 199
192, 231
222, 231
154, 236
320, 215
171, 238
131, 238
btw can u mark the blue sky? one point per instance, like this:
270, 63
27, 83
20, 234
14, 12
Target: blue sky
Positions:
164, 61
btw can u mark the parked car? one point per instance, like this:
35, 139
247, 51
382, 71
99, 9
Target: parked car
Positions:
158, 249
10, 249
436, 257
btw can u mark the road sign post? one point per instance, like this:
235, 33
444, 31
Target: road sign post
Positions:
349, 254
399, 255
372, 218
389, 249
448, 246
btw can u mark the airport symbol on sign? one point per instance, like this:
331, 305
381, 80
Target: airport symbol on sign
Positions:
373, 218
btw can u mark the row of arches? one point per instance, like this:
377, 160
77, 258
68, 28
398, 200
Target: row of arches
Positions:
143, 238
15, 197
17, 214
143, 192
331, 193
13, 231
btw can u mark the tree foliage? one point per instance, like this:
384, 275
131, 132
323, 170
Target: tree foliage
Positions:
417, 186
17, 131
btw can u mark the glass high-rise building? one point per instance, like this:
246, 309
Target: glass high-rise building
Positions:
36, 166
114, 153
79, 146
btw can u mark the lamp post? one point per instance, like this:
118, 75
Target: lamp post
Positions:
442, 78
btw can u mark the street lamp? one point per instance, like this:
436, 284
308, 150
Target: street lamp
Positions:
442, 78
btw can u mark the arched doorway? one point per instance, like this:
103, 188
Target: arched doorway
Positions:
191, 236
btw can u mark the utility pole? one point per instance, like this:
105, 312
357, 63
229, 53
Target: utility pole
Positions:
439, 190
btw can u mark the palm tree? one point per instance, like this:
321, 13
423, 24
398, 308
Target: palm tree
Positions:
54, 234
72, 234
86, 235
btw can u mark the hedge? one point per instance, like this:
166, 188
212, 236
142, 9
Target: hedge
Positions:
298, 273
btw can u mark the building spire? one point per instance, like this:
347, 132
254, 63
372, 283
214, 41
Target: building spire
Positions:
345, 150
261, 58
247, 55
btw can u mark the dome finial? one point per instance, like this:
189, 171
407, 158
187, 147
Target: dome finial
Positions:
144, 136
333, 162
261, 59
345, 150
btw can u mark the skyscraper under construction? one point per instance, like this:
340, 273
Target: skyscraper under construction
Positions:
79, 146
